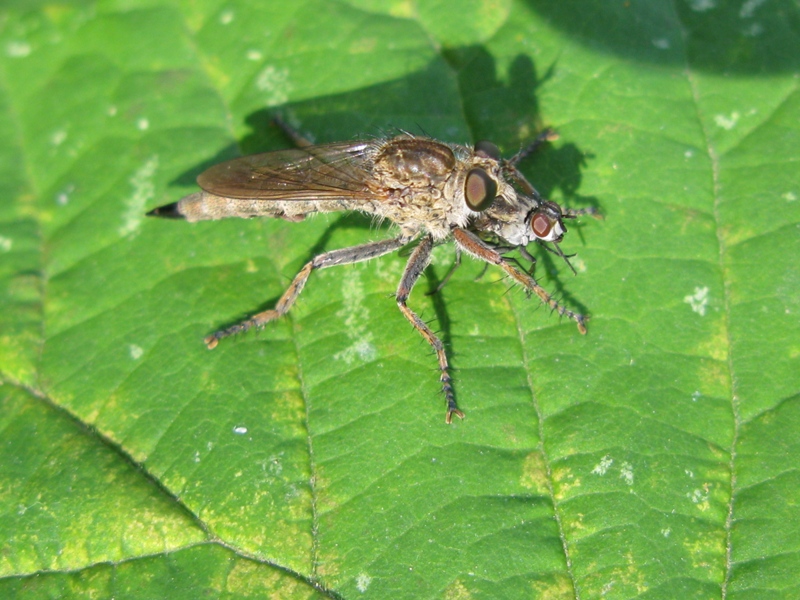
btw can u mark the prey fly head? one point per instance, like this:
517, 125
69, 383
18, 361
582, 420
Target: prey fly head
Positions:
519, 215
517, 220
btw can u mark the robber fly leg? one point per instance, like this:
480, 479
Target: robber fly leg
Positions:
473, 245
416, 265
446, 278
343, 256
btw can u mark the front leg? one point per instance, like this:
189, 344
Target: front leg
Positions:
416, 265
473, 245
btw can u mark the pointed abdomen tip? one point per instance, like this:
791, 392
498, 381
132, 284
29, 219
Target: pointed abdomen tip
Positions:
168, 211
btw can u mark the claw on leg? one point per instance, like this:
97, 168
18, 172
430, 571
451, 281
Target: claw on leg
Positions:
416, 265
473, 245
343, 256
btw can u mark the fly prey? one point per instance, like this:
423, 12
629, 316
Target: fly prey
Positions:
432, 191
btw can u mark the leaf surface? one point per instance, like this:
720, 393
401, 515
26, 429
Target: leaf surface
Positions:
655, 457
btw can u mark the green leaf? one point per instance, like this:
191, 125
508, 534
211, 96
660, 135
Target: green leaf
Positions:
655, 457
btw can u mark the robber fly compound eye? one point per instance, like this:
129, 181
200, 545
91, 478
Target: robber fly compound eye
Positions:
480, 190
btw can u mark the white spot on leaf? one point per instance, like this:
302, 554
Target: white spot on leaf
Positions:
143, 191
240, 430
274, 464
726, 122
753, 30
698, 301
136, 351
702, 5
700, 498
58, 137
62, 197
749, 8
16, 49
362, 582
274, 84
602, 467
5, 243
355, 316
626, 473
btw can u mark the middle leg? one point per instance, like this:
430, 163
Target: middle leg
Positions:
416, 265
343, 256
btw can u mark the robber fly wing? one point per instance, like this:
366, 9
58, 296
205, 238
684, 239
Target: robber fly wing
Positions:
325, 172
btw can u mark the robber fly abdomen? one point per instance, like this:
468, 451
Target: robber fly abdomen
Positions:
430, 190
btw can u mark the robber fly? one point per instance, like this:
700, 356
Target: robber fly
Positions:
432, 191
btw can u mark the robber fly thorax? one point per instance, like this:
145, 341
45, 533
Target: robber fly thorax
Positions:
432, 191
